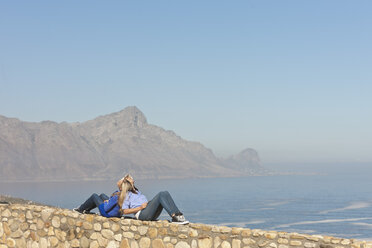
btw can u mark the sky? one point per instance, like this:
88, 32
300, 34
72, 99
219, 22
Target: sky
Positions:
291, 79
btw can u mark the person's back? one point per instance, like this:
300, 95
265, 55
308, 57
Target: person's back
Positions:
110, 208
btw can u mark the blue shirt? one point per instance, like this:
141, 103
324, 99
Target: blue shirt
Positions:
133, 200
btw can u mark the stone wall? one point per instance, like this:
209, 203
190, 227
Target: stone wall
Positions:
41, 226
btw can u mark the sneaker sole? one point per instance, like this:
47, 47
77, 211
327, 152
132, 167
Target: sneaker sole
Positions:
181, 223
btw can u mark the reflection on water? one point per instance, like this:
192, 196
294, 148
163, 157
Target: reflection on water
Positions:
334, 205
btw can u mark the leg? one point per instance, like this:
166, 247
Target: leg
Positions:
104, 197
168, 204
92, 202
153, 209
156, 205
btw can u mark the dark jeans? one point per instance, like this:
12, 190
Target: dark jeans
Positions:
93, 202
156, 205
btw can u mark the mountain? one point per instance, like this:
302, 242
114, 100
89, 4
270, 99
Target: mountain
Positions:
247, 162
108, 147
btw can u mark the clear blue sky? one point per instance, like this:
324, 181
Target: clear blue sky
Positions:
291, 79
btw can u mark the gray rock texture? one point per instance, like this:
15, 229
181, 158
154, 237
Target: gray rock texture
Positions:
107, 147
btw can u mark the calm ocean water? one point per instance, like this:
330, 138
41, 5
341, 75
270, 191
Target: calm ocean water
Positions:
338, 205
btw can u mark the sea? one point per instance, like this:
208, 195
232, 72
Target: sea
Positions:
335, 203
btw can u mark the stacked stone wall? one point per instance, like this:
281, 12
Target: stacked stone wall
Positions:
41, 226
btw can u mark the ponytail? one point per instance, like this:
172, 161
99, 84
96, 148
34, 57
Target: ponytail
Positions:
125, 187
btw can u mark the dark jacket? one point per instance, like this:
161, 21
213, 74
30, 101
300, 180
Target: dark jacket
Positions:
111, 207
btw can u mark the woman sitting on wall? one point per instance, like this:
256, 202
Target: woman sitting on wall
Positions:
129, 200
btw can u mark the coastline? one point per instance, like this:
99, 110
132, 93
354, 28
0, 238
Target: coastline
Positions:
97, 179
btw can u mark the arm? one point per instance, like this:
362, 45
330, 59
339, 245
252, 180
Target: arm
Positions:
110, 203
135, 210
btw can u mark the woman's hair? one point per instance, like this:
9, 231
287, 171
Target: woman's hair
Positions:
125, 187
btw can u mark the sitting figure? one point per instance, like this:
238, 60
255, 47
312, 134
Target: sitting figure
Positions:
129, 200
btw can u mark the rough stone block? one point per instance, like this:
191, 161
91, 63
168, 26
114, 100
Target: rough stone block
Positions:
118, 237
236, 230
152, 233
309, 245
144, 242
296, 236
182, 244
115, 227
157, 243
21, 243
225, 229
205, 242
94, 244
56, 222
193, 233
217, 242
225, 244
128, 235
295, 243
53, 241
283, 246
248, 241
75, 243
182, 236
236, 243
163, 231
10, 242
106, 225
142, 230
6, 213
271, 235
345, 242
134, 244
124, 243
87, 226
283, 241
262, 243
246, 233
89, 217
335, 241
6, 229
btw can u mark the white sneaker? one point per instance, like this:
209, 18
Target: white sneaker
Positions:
180, 219
77, 210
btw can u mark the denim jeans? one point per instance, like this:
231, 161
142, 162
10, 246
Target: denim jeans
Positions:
93, 202
156, 205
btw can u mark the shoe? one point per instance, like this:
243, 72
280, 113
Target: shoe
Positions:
78, 210
88, 212
82, 212
179, 219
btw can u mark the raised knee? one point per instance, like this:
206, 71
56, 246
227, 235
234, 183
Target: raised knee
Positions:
164, 192
94, 194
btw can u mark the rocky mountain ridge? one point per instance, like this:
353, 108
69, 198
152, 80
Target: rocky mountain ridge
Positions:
108, 146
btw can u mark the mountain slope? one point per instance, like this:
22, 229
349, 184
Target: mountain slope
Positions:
105, 147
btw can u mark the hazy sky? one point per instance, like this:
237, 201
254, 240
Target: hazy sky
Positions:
291, 79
